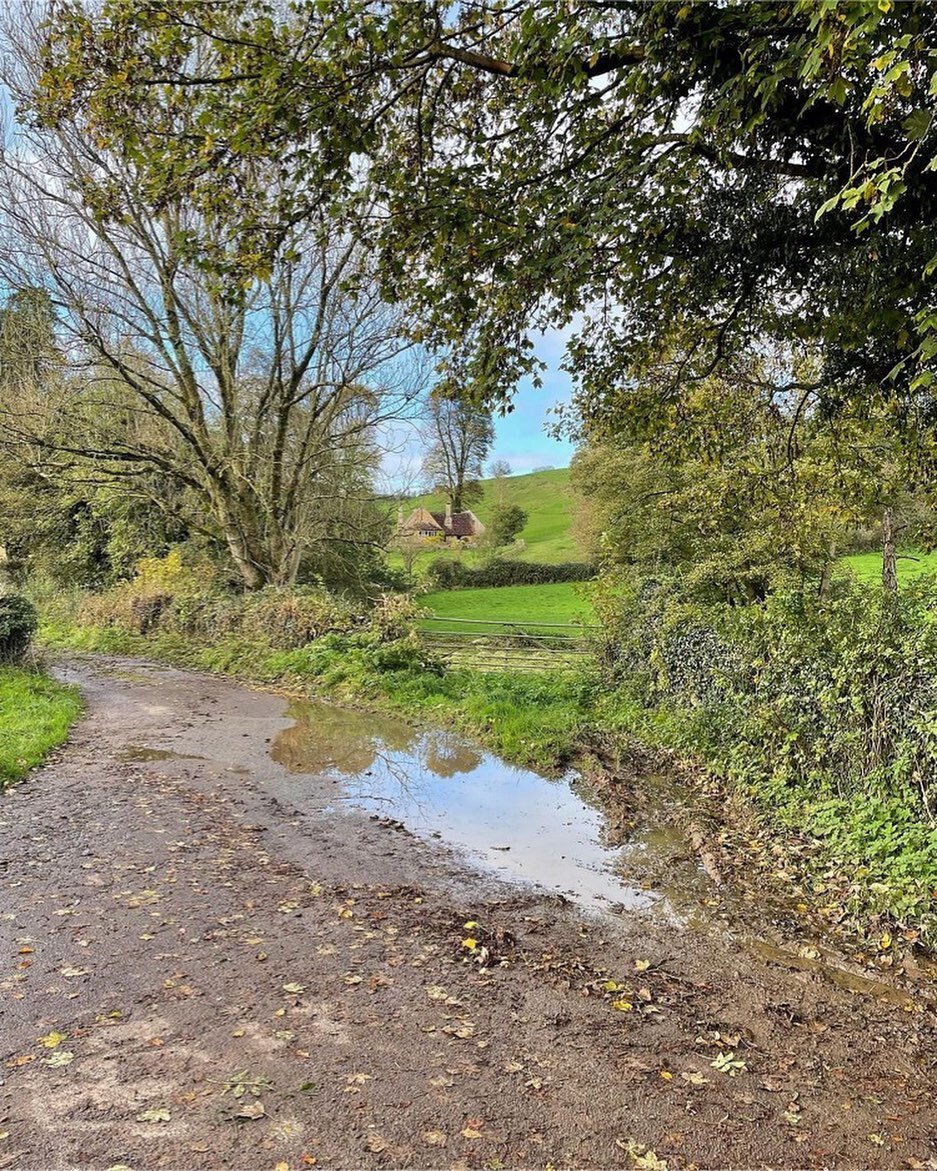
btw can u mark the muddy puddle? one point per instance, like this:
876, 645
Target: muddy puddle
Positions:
545, 832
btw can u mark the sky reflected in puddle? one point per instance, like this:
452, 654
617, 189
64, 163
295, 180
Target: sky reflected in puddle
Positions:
525, 826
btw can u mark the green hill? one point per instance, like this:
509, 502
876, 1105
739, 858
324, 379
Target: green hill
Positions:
544, 496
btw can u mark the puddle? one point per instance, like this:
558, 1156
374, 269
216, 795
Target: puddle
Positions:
136, 753
525, 826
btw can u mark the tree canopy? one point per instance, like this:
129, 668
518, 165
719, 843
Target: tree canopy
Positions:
681, 179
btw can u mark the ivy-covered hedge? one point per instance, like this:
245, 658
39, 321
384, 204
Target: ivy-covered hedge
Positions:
18, 623
446, 574
824, 709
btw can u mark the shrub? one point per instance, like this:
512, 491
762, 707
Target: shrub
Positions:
18, 623
446, 574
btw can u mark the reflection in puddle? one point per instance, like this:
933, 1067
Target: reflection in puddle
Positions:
136, 753
526, 826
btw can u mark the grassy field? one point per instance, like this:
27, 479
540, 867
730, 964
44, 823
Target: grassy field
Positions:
35, 715
868, 566
544, 496
560, 602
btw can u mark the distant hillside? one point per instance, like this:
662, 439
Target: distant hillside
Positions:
544, 496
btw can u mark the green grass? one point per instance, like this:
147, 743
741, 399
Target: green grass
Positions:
559, 602
868, 566
35, 716
547, 500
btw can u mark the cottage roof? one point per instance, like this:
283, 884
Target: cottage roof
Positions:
456, 524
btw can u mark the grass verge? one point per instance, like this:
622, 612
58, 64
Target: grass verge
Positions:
36, 713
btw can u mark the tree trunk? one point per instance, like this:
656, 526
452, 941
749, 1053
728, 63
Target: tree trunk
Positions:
889, 558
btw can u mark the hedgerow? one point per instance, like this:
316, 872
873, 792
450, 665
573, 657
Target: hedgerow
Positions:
447, 574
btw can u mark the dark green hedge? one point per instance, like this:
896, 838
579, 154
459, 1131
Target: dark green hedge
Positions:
446, 574
18, 623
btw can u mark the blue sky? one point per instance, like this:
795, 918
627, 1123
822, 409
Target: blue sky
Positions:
520, 437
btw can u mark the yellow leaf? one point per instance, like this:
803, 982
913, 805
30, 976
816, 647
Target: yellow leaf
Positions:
471, 924
53, 1040
641, 965
885, 941
470, 943
470, 1132
434, 1138
282, 1166
666, 1075
622, 1005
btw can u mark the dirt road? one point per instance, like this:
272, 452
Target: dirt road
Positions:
197, 973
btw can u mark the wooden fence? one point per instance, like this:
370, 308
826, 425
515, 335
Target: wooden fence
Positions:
509, 646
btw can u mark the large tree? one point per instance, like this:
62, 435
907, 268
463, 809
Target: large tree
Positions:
733, 170
458, 434
257, 384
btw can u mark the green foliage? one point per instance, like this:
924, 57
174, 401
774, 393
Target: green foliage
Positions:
821, 709
505, 522
35, 716
447, 574
748, 490
18, 623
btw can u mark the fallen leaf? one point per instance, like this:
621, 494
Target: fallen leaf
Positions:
281, 1166
434, 1138
470, 943
622, 1005
471, 1132
376, 1143
59, 1058
73, 971
464, 1032
53, 1040
694, 1078
297, 988
729, 1063
641, 965
641, 1156
156, 1114
252, 1110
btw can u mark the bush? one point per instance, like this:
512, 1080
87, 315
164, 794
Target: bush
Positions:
168, 598
18, 623
446, 574
822, 709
